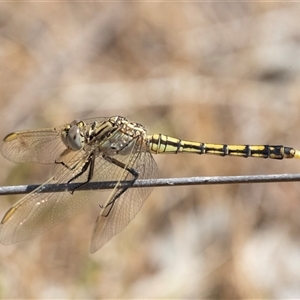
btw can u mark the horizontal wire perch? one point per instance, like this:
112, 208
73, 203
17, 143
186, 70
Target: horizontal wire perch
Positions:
162, 182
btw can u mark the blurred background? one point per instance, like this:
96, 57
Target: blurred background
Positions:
210, 72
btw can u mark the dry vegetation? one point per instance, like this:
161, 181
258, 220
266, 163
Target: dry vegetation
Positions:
213, 72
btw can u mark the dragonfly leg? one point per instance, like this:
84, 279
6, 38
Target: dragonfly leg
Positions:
133, 172
89, 164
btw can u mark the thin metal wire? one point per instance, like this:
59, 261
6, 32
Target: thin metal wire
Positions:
162, 182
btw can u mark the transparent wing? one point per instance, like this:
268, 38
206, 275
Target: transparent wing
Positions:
128, 205
37, 212
43, 145
37, 146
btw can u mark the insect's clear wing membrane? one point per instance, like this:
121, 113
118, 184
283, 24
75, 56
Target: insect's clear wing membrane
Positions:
41, 146
37, 212
128, 205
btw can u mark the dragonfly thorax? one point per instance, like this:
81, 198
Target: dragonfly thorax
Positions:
118, 143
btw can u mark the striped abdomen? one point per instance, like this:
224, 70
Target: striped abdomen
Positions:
159, 143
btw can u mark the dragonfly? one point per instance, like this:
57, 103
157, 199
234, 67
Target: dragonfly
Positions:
99, 150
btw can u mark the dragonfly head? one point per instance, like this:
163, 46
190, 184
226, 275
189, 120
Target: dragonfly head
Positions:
73, 137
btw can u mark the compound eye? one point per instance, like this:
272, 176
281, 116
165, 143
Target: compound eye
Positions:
74, 139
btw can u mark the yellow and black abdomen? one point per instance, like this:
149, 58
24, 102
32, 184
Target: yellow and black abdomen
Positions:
159, 143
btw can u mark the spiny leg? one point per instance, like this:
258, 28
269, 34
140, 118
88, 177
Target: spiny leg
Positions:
121, 165
89, 163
